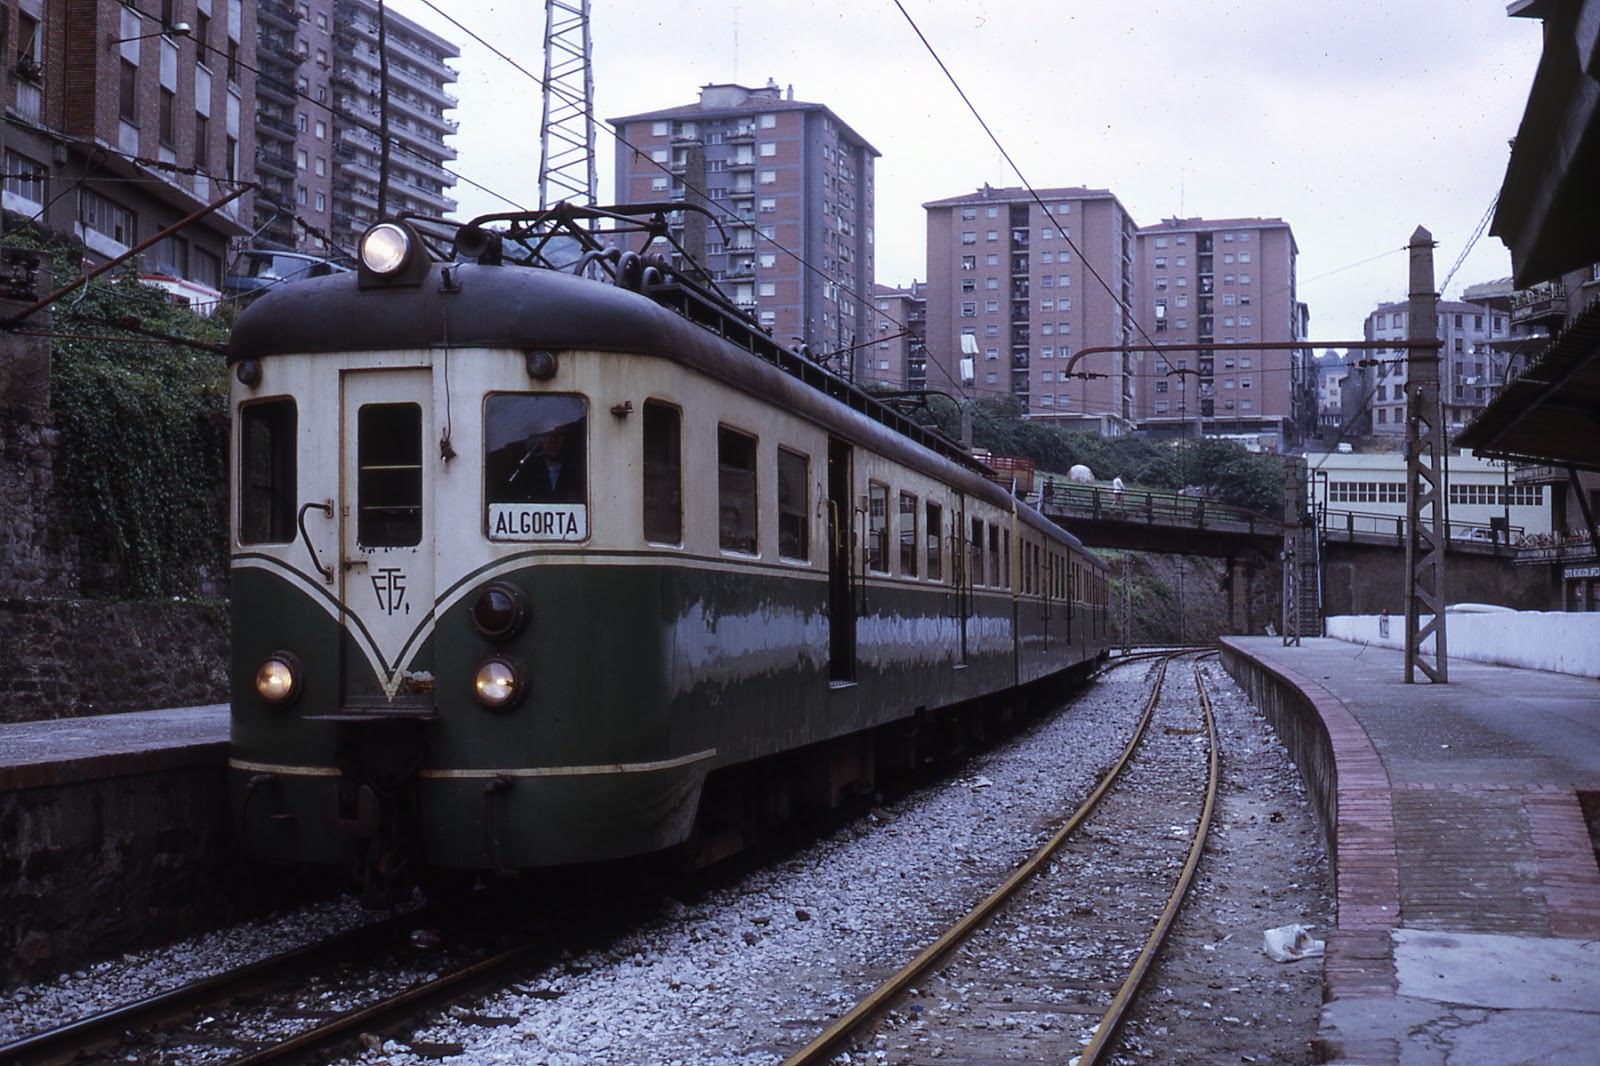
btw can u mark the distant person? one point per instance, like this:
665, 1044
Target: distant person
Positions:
1116, 491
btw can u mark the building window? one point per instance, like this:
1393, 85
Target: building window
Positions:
24, 177
101, 215
129, 92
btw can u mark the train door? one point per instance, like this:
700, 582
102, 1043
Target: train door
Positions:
385, 577
841, 560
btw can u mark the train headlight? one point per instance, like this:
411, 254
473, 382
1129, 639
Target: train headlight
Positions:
500, 611
386, 248
497, 684
279, 679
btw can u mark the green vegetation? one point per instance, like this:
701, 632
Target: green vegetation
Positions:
143, 426
1224, 470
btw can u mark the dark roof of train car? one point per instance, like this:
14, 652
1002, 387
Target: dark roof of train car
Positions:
515, 307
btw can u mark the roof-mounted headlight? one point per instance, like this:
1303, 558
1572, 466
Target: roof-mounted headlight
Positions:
392, 254
386, 248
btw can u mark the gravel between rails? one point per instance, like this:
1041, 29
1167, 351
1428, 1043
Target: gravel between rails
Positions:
753, 970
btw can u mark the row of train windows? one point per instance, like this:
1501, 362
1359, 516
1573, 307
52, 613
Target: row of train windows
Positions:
535, 457
983, 556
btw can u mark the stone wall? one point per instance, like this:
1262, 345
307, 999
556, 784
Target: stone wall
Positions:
62, 658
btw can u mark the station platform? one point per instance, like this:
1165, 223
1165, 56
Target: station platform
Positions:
67, 750
1467, 887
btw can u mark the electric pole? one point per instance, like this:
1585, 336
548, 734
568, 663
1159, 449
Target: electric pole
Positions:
567, 127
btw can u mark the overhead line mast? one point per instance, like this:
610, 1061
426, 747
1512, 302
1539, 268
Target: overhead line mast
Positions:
566, 127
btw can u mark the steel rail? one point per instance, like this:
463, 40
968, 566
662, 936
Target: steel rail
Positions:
66, 1042
1114, 1016
875, 1002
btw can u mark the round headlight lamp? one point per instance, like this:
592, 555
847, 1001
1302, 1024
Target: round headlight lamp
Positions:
386, 248
500, 610
497, 684
279, 679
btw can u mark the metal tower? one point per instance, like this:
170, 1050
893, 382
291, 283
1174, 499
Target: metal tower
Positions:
1425, 489
566, 129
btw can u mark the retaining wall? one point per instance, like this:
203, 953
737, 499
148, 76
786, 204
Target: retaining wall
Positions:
1562, 642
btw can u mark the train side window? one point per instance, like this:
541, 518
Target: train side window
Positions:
268, 475
736, 491
995, 577
389, 475
663, 473
975, 553
908, 534
934, 532
794, 505
877, 527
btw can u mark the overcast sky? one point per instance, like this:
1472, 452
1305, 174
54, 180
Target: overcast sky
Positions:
1354, 121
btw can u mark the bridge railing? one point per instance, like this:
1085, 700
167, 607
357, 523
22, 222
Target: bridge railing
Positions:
1347, 525
1101, 502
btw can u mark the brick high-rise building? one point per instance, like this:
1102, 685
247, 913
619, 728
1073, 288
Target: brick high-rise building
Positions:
1204, 282
1003, 271
792, 186
319, 118
122, 121
898, 356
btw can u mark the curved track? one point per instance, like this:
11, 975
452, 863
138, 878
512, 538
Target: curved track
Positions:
1011, 979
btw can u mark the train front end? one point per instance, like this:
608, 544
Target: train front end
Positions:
421, 577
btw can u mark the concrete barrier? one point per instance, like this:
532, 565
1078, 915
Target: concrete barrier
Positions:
1562, 642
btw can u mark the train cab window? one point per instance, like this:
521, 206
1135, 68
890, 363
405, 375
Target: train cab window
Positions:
908, 534
736, 491
535, 468
995, 577
267, 472
794, 505
877, 527
663, 473
934, 531
389, 475
975, 552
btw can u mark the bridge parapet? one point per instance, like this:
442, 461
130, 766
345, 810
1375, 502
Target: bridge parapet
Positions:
1173, 510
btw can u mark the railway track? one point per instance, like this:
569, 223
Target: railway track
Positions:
755, 964
284, 1007
1046, 967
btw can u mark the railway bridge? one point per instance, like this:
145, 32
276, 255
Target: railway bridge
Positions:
1345, 563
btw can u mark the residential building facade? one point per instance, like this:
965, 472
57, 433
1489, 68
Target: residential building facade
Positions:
791, 185
1472, 363
898, 355
321, 122
1022, 281
123, 119
1205, 285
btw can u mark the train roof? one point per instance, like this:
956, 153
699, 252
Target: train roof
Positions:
468, 305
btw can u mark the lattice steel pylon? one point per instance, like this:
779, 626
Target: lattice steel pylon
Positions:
1425, 488
567, 127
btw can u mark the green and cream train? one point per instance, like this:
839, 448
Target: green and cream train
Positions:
538, 566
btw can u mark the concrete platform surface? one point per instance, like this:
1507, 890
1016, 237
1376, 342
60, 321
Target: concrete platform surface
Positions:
1468, 891
67, 750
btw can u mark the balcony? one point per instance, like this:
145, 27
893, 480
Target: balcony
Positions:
277, 13
1544, 305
